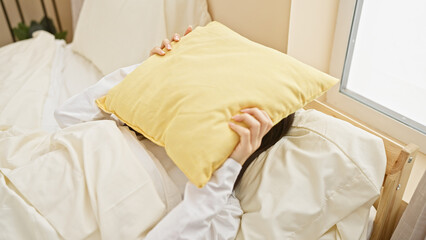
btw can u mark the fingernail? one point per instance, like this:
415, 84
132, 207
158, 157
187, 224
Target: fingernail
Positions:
163, 52
169, 47
177, 38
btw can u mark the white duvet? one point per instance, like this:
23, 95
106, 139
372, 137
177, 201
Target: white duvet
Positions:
36, 76
92, 181
81, 182
25, 69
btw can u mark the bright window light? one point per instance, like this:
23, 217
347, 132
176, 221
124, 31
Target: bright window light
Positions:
385, 66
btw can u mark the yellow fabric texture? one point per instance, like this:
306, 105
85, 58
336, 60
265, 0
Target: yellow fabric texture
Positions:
185, 99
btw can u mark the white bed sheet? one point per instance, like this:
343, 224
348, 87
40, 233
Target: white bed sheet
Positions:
74, 179
36, 76
25, 69
70, 74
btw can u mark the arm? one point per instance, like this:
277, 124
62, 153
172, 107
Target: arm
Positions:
204, 210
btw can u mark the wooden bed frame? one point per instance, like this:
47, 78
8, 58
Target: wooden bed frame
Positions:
400, 160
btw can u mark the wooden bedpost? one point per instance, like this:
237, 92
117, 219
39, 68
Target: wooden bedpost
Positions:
390, 201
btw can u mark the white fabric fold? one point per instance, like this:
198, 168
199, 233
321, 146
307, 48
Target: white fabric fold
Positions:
25, 73
70, 74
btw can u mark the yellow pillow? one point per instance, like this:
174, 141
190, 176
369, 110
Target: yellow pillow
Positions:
184, 100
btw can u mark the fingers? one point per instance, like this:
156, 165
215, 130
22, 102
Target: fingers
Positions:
158, 51
188, 30
259, 123
254, 126
166, 44
261, 116
176, 37
244, 134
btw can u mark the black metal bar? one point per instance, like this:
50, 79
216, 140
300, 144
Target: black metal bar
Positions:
57, 15
45, 15
20, 11
8, 21
44, 8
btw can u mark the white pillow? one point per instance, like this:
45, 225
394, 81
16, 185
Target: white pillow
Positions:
114, 34
323, 176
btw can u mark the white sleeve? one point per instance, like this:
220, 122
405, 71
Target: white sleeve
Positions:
211, 212
82, 107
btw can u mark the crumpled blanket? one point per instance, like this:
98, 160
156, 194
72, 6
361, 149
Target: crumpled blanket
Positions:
82, 182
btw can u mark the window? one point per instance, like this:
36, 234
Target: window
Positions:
385, 64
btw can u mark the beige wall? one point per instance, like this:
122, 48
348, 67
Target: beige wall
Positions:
5, 37
32, 10
304, 28
265, 22
311, 31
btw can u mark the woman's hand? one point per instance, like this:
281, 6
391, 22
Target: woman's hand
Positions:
259, 123
166, 43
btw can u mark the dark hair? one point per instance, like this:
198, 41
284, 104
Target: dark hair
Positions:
274, 135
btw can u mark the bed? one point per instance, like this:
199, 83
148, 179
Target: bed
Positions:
34, 83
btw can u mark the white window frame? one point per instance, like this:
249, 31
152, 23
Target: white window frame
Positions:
368, 115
